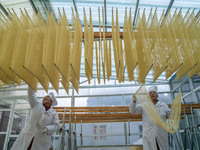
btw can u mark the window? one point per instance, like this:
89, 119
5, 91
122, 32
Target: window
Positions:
4, 118
103, 131
85, 101
165, 97
198, 95
174, 82
99, 130
188, 99
128, 100
196, 80
110, 101
185, 88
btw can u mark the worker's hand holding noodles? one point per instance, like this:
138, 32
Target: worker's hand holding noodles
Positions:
154, 136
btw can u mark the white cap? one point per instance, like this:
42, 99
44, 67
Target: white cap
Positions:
153, 88
51, 95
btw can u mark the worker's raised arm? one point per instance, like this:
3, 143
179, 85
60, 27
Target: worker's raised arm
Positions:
31, 97
133, 108
54, 126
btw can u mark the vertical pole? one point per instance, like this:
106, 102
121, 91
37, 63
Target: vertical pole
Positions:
123, 102
169, 141
62, 142
195, 98
135, 15
194, 128
81, 135
69, 138
187, 130
170, 137
172, 97
54, 141
72, 100
71, 127
95, 82
125, 133
63, 131
75, 133
10, 122
129, 132
179, 139
105, 15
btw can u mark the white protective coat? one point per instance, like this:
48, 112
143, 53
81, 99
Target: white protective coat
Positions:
151, 131
38, 120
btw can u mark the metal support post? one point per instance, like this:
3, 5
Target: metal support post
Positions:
60, 139
135, 15
179, 140
63, 131
72, 99
123, 102
10, 123
125, 133
129, 133
98, 101
169, 141
81, 135
62, 143
194, 131
69, 137
195, 98
74, 134
187, 133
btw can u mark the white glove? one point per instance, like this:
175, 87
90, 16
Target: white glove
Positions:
44, 131
134, 98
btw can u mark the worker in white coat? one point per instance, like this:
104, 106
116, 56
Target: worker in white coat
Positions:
42, 123
154, 136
